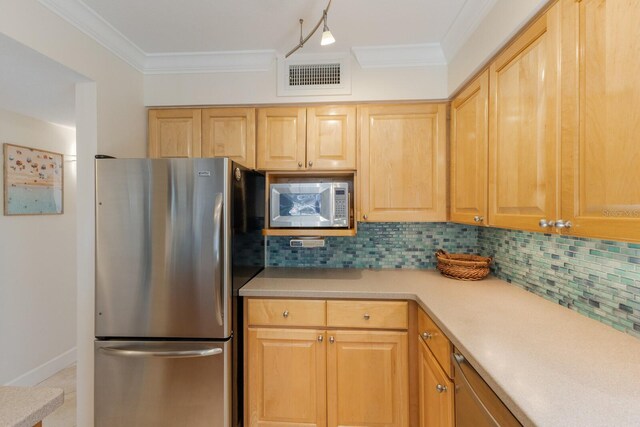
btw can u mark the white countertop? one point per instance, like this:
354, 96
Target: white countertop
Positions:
26, 406
551, 366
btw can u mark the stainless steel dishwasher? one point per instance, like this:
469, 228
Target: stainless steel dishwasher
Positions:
476, 404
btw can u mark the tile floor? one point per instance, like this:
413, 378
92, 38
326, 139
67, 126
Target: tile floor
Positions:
64, 416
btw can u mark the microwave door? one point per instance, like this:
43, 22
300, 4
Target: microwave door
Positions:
304, 205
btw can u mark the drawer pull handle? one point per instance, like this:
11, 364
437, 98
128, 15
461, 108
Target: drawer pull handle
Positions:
285, 314
441, 388
427, 335
332, 340
366, 316
320, 338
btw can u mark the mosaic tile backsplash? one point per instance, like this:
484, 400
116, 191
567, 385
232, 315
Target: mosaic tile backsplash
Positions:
378, 245
597, 278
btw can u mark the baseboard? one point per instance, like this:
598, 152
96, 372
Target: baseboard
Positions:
44, 371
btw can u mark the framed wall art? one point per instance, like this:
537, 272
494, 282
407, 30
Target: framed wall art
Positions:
33, 181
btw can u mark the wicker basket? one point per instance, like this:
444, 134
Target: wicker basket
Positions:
462, 266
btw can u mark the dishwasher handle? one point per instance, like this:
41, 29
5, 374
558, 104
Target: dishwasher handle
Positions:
459, 360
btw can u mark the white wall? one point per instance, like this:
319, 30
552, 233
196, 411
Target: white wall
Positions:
374, 84
121, 114
501, 23
113, 122
38, 262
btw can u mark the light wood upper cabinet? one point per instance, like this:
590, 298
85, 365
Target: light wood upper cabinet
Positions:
367, 381
403, 162
315, 138
281, 140
287, 377
524, 127
436, 391
331, 138
174, 133
230, 132
601, 100
469, 151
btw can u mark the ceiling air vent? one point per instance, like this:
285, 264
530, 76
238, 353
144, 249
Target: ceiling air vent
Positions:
314, 75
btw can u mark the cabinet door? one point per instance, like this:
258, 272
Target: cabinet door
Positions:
281, 138
524, 128
601, 177
367, 378
174, 133
436, 391
331, 137
230, 132
469, 150
287, 377
403, 162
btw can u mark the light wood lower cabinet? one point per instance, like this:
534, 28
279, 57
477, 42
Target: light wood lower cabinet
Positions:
367, 378
324, 377
287, 377
436, 391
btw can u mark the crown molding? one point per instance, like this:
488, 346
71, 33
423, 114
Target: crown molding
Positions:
469, 18
206, 62
414, 55
90, 23
86, 20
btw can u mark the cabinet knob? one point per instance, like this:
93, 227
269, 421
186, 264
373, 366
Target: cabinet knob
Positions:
543, 223
366, 316
332, 340
560, 224
441, 388
285, 314
299, 164
310, 163
427, 335
320, 338
365, 216
478, 218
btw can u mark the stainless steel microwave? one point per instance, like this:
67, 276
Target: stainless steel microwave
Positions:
309, 205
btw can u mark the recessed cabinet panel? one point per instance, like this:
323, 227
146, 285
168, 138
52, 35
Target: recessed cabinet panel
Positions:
331, 137
281, 138
403, 162
523, 134
469, 150
601, 179
174, 133
436, 391
367, 383
287, 377
229, 132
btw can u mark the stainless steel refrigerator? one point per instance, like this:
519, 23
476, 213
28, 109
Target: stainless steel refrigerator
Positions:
175, 240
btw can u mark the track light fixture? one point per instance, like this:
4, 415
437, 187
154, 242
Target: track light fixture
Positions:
327, 37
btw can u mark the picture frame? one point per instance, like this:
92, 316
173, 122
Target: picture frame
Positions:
33, 181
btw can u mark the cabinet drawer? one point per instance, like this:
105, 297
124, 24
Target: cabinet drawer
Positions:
437, 342
286, 312
367, 314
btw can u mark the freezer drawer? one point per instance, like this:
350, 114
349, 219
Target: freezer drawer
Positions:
158, 384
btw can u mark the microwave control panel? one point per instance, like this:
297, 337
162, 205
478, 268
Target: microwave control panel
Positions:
342, 205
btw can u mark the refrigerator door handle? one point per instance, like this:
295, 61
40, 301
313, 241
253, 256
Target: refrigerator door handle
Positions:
218, 248
174, 354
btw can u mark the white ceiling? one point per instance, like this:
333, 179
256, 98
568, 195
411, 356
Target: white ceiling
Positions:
161, 26
35, 85
239, 35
